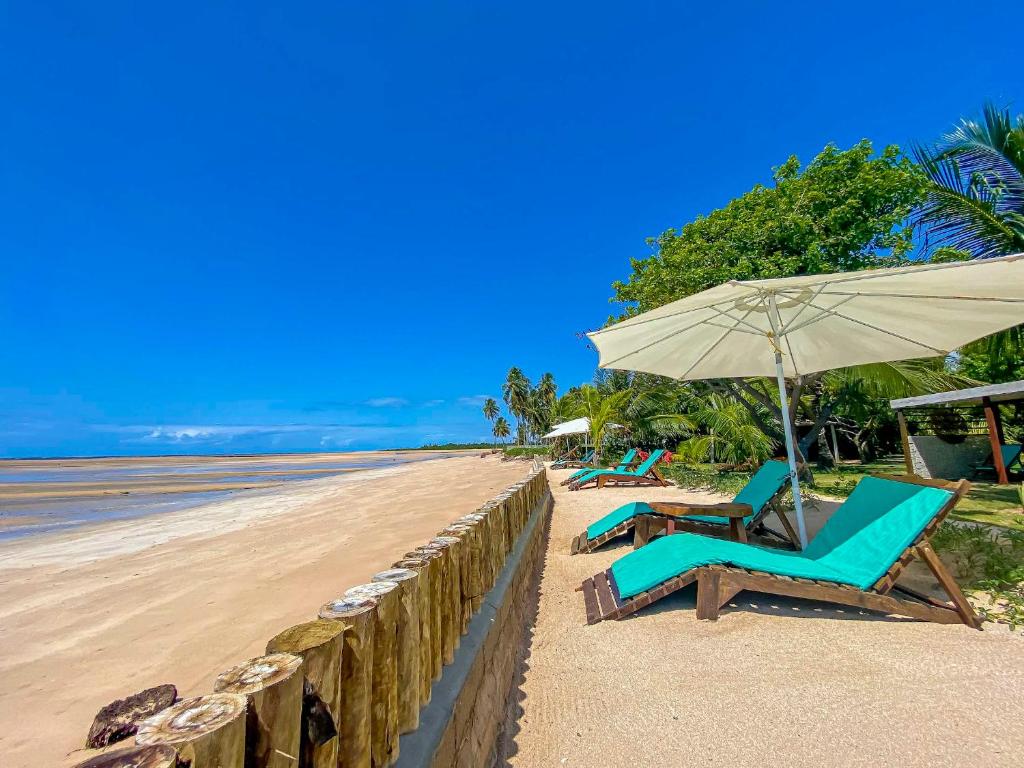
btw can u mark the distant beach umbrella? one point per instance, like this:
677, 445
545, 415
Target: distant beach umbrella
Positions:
801, 325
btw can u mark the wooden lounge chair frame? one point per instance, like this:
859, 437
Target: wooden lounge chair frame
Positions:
628, 466
580, 463
671, 518
717, 584
653, 476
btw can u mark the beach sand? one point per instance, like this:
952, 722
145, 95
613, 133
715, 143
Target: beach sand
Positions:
94, 614
773, 682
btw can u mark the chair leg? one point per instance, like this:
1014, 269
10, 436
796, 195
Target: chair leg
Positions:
708, 590
641, 531
790, 531
948, 583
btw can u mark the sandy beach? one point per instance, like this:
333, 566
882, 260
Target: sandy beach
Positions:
105, 610
773, 680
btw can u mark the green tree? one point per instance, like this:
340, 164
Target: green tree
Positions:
975, 191
500, 430
846, 210
602, 410
490, 409
516, 394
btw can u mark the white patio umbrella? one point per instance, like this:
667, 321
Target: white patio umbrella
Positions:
579, 426
800, 325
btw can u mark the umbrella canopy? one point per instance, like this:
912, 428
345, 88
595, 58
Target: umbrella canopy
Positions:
575, 427
799, 325
823, 321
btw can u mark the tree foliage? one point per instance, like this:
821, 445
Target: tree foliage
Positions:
845, 210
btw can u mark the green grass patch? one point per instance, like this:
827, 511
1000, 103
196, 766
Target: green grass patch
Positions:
527, 450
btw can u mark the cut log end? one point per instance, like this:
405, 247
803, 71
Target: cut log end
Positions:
257, 674
373, 590
190, 719
394, 574
154, 756
304, 637
347, 607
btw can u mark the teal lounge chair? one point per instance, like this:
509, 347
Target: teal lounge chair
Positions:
627, 461
1011, 455
854, 560
585, 460
744, 514
646, 474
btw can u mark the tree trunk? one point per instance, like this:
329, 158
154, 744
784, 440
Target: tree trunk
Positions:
384, 687
321, 645
207, 731
436, 605
408, 648
273, 687
825, 458
357, 616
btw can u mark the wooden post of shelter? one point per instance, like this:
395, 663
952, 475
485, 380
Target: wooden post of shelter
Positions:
995, 438
272, 686
908, 462
358, 617
207, 731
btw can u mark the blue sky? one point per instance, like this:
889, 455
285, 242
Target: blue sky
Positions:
280, 227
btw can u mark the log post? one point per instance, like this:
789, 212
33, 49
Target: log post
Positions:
207, 731
434, 577
273, 687
464, 533
451, 602
473, 544
357, 616
320, 644
421, 567
408, 645
155, 756
384, 688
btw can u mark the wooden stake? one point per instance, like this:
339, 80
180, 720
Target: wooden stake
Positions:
320, 644
207, 731
408, 648
435, 567
357, 616
422, 568
273, 686
156, 756
384, 688
473, 544
465, 535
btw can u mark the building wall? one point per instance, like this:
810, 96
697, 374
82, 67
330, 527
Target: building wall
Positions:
931, 456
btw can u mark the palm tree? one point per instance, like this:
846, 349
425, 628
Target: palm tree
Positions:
602, 410
975, 176
491, 411
516, 394
501, 430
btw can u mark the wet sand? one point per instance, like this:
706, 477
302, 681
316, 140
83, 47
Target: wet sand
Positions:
105, 610
773, 682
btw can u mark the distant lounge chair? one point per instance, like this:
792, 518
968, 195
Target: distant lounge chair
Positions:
1011, 455
646, 474
586, 460
854, 560
745, 513
627, 461
567, 456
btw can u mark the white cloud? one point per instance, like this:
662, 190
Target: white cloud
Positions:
433, 403
387, 402
473, 399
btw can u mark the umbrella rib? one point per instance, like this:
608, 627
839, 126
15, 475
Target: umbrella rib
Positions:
811, 320
738, 330
853, 294
737, 320
881, 330
711, 349
653, 343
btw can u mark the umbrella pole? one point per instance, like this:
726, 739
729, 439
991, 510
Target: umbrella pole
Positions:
787, 428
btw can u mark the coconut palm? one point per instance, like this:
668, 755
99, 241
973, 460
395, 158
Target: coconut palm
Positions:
516, 394
975, 175
491, 411
602, 410
501, 430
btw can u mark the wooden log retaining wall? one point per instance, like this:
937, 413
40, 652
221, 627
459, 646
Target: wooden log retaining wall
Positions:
413, 667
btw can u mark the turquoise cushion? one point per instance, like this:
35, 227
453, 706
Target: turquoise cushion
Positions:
857, 546
640, 471
617, 517
757, 492
622, 465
